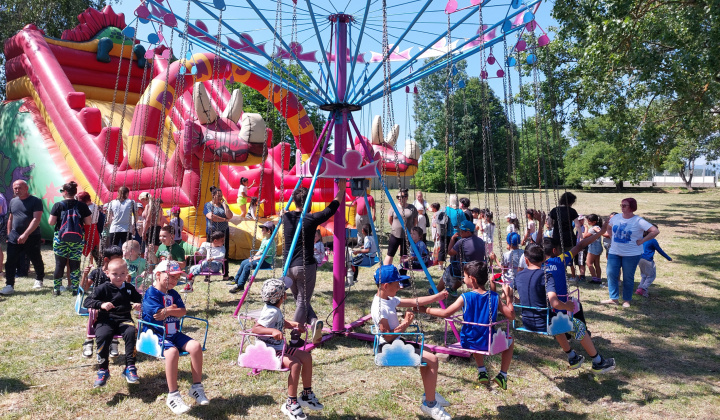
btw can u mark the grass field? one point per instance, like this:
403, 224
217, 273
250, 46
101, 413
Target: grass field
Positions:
666, 347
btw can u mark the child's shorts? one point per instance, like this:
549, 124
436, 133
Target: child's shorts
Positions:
177, 340
289, 351
579, 330
595, 248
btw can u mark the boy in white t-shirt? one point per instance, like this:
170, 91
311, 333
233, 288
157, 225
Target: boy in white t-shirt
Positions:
214, 253
271, 323
384, 315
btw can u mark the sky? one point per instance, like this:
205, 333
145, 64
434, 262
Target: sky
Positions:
241, 17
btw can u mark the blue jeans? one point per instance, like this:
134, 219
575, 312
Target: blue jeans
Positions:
246, 267
628, 266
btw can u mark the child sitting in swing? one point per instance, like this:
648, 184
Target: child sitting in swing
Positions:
213, 253
480, 306
385, 317
136, 264
412, 261
319, 249
271, 322
364, 256
163, 305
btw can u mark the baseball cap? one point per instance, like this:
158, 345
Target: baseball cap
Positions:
170, 267
513, 239
511, 216
581, 217
268, 225
387, 274
274, 289
467, 226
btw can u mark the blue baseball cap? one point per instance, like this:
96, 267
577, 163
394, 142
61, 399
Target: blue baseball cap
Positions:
388, 274
467, 226
513, 239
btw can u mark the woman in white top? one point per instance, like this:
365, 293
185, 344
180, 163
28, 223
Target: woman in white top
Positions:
625, 251
121, 212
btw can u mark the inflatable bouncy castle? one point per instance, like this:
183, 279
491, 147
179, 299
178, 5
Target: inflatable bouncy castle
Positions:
96, 108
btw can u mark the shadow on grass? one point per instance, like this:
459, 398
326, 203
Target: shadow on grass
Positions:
8, 385
519, 411
586, 388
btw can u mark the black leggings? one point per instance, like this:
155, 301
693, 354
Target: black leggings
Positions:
119, 238
395, 243
60, 264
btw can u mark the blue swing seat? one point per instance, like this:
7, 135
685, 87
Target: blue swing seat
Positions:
399, 353
79, 308
373, 261
561, 323
147, 341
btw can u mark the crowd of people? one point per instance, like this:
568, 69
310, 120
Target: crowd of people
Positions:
529, 278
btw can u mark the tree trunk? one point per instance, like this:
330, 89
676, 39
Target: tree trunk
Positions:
687, 179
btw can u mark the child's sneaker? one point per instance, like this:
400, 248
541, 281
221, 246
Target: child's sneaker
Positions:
114, 348
310, 401
483, 378
295, 340
293, 411
102, 377
576, 361
642, 292
87, 348
501, 381
188, 287
605, 365
176, 403
130, 374
596, 280
317, 327
440, 400
437, 413
198, 392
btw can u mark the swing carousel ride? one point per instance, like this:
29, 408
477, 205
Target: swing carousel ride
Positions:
109, 107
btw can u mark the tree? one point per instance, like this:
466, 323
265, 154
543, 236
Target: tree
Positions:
431, 173
648, 68
689, 143
52, 16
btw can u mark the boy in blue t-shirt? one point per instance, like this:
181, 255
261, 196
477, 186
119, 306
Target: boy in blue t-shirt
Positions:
162, 304
480, 306
647, 265
539, 289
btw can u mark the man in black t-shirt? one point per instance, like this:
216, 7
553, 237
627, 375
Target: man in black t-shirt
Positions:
24, 215
303, 267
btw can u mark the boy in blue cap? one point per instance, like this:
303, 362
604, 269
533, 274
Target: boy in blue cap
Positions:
511, 262
384, 315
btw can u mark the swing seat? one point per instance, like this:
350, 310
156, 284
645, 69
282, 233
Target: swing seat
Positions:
406, 266
92, 319
369, 264
499, 339
401, 352
79, 308
147, 341
561, 323
207, 273
258, 356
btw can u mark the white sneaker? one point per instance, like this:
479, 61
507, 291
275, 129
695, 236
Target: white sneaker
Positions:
317, 328
87, 348
176, 403
437, 412
440, 400
38, 284
294, 412
198, 392
7, 290
310, 402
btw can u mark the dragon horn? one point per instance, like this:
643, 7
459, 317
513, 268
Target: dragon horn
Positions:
376, 136
234, 108
206, 114
392, 136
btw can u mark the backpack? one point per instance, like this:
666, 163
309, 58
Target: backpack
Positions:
71, 227
442, 223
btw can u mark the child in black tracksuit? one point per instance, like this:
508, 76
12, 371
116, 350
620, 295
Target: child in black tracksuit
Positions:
114, 300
